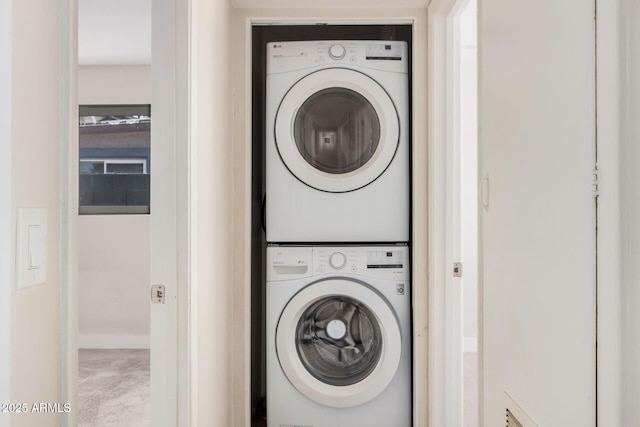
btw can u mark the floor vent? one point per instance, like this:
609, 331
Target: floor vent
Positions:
512, 421
516, 416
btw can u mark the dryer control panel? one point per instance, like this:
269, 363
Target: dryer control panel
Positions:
384, 55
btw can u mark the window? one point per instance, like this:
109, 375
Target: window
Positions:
114, 161
102, 166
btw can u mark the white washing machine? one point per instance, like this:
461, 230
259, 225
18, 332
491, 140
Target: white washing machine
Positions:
338, 336
337, 141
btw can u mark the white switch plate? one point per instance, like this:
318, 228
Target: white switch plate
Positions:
31, 250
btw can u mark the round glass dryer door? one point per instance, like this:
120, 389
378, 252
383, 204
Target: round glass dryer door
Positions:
337, 130
338, 342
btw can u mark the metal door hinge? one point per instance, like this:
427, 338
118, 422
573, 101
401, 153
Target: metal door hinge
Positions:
157, 294
595, 181
457, 269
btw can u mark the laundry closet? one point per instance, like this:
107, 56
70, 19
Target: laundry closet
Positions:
335, 104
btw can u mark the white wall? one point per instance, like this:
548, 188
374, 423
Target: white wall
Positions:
32, 107
630, 212
114, 84
114, 250
114, 32
114, 268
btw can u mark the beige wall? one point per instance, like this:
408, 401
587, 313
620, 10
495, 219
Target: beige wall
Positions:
35, 182
114, 250
6, 208
211, 199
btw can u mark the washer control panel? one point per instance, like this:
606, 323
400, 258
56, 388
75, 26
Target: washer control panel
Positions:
382, 261
292, 262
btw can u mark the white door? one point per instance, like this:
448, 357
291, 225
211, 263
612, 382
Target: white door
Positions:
537, 223
337, 130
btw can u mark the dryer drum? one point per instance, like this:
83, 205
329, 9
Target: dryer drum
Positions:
337, 130
338, 340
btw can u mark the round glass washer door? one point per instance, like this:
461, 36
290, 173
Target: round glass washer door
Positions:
338, 342
337, 130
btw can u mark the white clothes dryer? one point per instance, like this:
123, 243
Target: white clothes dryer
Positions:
337, 142
338, 336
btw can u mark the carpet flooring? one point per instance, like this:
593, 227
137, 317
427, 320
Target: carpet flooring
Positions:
113, 388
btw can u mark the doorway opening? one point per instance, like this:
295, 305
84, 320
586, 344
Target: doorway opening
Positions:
114, 259
114, 223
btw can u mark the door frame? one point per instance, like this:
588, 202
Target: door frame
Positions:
69, 210
445, 293
609, 61
171, 257
420, 269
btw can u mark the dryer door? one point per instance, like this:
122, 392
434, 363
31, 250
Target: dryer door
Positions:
337, 130
338, 342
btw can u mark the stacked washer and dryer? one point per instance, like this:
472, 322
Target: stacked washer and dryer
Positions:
337, 227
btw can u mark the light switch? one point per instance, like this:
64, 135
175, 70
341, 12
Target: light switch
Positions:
31, 247
36, 246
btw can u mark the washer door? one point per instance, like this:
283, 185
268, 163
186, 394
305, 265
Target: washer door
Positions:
338, 342
337, 130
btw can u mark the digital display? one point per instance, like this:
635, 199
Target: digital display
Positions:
384, 52
384, 259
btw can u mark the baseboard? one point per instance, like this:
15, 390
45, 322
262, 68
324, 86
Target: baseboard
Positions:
470, 345
108, 341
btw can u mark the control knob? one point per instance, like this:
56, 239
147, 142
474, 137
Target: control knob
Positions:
337, 260
337, 51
